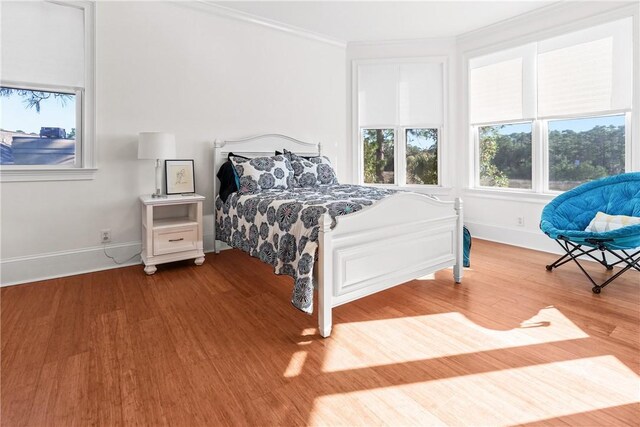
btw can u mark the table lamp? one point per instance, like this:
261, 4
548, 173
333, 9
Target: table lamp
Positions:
156, 146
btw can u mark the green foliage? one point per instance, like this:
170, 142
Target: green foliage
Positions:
422, 163
33, 98
491, 174
72, 134
574, 157
378, 155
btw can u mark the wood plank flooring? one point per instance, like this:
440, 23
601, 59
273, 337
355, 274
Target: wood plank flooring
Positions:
220, 344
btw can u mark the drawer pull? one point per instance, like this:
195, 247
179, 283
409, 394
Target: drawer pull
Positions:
176, 240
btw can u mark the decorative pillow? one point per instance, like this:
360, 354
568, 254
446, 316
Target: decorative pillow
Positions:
311, 171
603, 222
263, 173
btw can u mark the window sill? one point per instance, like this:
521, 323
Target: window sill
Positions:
50, 174
426, 189
511, 195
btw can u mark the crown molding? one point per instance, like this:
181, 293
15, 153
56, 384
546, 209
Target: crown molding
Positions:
541, 13
446, 39
208, 6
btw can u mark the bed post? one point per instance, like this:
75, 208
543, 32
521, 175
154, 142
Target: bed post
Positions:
458, 268
325, 275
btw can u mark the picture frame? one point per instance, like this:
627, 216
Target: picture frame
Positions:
179, 176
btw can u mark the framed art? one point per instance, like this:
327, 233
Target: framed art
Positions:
179, 177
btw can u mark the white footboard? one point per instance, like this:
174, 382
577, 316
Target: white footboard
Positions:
400, 238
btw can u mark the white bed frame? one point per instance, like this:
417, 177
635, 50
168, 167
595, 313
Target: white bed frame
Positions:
398, 239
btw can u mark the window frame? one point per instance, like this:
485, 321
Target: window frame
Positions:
400, 130
85, 165
540, 143
540, 151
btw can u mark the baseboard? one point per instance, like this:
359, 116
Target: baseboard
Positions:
515, 236
520, 237
34, 268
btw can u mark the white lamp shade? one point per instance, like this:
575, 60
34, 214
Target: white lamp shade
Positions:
156, 145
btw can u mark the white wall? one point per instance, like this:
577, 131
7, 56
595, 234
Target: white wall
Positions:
170, 67
494, 216
443, 47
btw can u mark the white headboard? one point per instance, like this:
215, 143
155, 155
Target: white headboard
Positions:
256, 146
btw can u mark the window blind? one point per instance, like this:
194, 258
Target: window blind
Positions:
420, 94
495, 91
42, 43
502, 86
377, 94
587, 71
402, 94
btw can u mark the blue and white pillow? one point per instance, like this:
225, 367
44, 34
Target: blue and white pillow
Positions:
263, 173
311, 171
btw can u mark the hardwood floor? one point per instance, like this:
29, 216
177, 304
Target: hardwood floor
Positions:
220, 344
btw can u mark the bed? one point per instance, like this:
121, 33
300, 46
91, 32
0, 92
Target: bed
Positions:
397, 237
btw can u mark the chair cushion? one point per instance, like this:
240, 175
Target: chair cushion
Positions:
603, 222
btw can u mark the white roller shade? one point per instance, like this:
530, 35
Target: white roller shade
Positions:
495, 92
586, 71
42, 43
377, 94
421, 94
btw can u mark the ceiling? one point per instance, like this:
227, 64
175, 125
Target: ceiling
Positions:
351, 21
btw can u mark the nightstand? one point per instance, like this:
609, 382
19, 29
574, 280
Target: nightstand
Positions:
171, 230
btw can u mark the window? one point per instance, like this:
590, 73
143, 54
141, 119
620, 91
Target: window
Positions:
505, 155
550, 115
38, 127
581, 150
400, 120
422, 156
46, 93
379, 147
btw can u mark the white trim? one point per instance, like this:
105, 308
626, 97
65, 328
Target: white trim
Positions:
542, 14
228, 12
509, 195
48, 174
513, 236
52, 265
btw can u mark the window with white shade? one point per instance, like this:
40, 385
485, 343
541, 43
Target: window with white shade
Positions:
400, 117
539, 113
46, 92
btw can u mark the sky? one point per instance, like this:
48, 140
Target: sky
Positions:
419, 141
15, 116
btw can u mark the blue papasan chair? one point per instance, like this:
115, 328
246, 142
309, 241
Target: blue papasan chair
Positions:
566, 217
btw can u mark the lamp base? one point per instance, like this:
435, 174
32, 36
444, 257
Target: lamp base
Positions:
158, 196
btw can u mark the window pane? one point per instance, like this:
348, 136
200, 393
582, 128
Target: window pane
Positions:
37, 128
422, 156
378, 155
505, 155
581, 150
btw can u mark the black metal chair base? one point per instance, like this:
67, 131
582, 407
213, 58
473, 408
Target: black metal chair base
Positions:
574, 251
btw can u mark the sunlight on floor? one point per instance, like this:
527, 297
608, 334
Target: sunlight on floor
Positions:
295, 364
504, 397
407, 339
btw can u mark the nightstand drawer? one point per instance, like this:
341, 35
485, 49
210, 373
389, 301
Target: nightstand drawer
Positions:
177, 239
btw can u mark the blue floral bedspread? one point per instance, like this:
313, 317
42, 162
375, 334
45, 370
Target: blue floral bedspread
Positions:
281, 227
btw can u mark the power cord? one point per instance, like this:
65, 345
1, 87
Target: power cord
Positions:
112, 258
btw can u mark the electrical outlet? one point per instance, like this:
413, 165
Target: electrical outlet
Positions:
520, 221
105, 235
